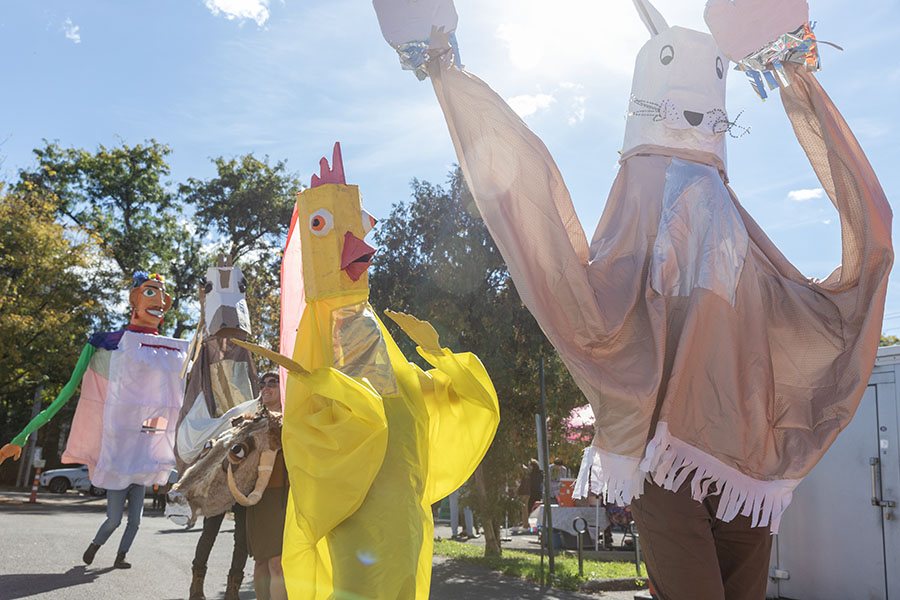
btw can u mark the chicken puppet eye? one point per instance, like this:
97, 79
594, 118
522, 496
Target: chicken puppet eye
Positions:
667, 54
368, 221
321, 222
720, 67
149, 292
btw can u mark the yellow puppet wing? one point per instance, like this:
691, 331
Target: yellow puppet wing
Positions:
463, 416
334, 437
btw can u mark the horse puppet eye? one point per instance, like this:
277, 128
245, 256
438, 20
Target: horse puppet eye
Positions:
238, 452
206, 448
720, 67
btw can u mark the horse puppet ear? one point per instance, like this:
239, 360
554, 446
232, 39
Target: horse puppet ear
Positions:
651, 17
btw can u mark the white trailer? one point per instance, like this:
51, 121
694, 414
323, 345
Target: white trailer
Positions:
840, 537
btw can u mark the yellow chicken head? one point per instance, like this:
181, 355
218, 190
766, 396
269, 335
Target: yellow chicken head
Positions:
332, 225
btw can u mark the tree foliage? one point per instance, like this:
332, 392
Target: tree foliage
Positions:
436, 260
247, 207
49, 302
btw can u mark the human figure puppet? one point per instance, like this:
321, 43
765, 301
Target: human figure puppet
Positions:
124, 424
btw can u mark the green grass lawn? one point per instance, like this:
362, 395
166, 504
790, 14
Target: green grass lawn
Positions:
528, 565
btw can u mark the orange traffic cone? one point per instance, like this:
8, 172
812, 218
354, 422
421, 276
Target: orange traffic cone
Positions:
34, 486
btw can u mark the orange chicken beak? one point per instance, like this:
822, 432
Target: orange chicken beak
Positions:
356, 256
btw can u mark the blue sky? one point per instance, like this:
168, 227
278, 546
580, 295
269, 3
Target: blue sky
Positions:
287, 78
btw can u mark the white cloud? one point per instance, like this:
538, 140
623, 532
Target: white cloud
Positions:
526, 105
256, 10
578, 101
71, 31
525, 49
806, 195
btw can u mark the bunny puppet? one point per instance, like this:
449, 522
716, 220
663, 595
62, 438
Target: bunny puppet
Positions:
714, 368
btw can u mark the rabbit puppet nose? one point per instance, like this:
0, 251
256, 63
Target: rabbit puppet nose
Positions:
676, 115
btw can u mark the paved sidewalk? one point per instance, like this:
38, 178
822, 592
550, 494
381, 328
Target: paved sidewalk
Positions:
40, 559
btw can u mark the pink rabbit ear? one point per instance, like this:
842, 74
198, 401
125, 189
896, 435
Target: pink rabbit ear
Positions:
651, 17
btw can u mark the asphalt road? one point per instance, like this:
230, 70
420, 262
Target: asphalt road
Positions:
41, 546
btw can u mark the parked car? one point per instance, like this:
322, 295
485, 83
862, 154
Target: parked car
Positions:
59, 481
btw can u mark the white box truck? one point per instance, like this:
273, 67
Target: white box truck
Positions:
840, 537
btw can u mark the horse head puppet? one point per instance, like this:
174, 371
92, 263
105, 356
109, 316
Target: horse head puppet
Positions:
223, 301
222, 384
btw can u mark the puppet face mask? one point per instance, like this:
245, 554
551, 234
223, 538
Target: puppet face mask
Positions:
678, 89
224, 304
332, 225
149, 301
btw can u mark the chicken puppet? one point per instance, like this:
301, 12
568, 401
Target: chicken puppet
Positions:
131, 390
370, 440
708, 358
223, 380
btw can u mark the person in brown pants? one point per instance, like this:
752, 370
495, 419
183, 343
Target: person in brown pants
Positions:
691, 554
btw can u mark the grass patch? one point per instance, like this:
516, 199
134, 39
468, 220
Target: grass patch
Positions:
528, 565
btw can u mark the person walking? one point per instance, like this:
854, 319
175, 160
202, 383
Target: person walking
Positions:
211, 526
265, 519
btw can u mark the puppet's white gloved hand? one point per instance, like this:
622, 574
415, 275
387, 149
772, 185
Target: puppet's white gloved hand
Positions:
740, 27
407, 25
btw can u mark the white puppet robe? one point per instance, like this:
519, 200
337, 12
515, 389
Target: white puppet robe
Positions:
124, 425
705, 354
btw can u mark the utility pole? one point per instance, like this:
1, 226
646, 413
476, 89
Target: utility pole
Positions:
548, 513
26, 458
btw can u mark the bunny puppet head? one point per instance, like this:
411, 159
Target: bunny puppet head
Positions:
678, 90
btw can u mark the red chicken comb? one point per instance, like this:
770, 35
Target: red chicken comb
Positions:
335, 174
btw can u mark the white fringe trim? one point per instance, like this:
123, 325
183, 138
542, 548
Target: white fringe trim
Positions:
617, 477
669, 462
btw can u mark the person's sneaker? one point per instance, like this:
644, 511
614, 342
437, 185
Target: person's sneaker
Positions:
88, 556
120, 562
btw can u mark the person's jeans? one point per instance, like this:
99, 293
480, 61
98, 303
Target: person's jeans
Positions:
115, 506
454, 516
211, 527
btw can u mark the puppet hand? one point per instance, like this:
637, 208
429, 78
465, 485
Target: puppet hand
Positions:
404, 21
419, 30
421, 332
10, 450
741, 27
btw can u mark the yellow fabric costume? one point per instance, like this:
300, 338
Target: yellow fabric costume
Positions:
368, 454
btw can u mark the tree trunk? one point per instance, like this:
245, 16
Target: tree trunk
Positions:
491, 525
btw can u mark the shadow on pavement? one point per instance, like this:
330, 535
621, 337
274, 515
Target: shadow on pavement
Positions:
31, 584
458, 580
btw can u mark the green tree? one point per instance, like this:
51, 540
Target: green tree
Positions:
118, 195
246, 208
49, 303
437, 261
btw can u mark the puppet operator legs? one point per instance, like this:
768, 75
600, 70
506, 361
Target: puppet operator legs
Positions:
692, 555
115, 507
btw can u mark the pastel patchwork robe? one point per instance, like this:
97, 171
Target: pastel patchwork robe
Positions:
124, 424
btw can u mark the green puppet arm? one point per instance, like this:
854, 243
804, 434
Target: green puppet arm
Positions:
14, 448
